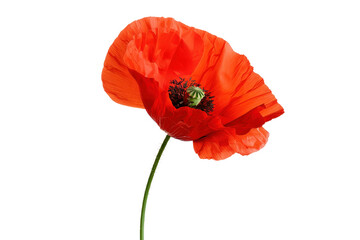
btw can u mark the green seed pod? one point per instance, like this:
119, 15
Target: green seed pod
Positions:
195, 95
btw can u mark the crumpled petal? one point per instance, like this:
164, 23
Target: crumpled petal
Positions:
221, 70
117, 81
252, 94
159, 51
150, 46
217, 145
248, 121
230, 78
251, 142
222, 144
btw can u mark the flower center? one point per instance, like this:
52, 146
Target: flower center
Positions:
195, 95
188, 93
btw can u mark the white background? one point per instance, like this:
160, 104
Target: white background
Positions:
74, 164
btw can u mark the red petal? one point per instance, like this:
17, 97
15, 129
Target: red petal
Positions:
251, 142
230, 78
164, 51
250, 120
149, 46
217, 145
252, 94
117, 81
221, 71
224, 143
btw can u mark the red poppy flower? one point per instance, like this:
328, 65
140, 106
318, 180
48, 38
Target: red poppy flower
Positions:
192, 84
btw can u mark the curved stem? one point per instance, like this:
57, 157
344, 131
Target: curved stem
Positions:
142, 219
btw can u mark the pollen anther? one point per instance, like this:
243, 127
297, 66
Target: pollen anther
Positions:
188, 93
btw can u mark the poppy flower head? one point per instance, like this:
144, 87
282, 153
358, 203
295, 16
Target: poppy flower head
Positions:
192, 84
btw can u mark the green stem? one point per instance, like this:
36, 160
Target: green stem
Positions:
142, 219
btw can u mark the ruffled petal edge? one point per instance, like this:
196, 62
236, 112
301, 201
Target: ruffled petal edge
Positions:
222, 144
